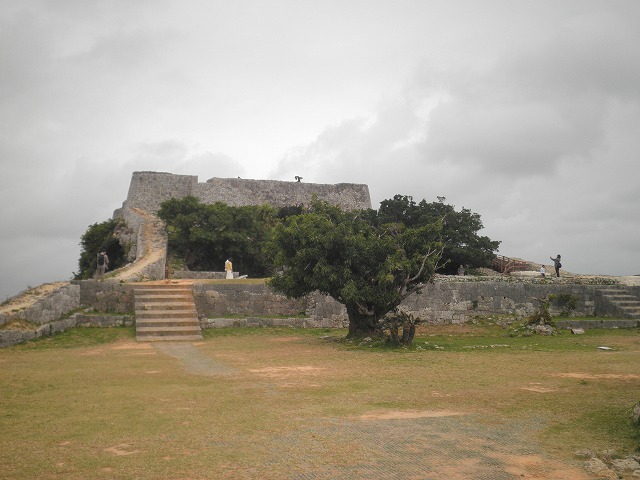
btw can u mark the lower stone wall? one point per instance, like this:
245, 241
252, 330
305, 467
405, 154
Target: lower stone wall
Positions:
108, 296
50, 308
460, 302
188, 274
448, 301
223, 300
13, 337
589, 324
297, 322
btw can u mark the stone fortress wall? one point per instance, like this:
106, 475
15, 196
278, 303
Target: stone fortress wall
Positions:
149, 189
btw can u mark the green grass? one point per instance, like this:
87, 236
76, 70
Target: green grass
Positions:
92, 403
77, 338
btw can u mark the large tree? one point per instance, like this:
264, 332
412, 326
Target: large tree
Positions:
370, 268
204, 235
462, 243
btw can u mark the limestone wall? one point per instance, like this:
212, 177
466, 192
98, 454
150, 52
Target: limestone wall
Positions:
448, 301
107, 296
239, 192
148, 190
47, 309
451, 300
241, 299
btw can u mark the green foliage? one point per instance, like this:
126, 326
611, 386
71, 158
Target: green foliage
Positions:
367, 267
462, 244
566, 301
204, 236
542, 315
97, 237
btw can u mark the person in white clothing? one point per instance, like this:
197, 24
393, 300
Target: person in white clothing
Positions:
228, 267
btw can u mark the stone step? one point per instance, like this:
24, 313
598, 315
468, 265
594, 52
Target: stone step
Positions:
158, 307
166, 312
142, 314
169, 330
147, 322
620, 296
163, 298
623, 298
168, 338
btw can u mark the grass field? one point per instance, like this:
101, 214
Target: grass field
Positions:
465, 402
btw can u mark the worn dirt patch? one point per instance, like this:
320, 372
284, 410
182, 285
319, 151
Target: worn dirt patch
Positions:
120, 450
279, 372
285, 339
598, 376
537, 467
408, 414
538, 388
132, 346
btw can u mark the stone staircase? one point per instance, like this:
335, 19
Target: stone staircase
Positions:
166, 312
623, 299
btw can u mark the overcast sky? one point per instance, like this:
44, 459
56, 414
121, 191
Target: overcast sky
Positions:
526, 112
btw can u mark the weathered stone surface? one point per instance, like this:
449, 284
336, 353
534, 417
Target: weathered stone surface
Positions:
598, 467
625, 464
148, 190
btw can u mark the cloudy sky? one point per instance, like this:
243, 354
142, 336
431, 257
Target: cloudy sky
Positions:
527, 112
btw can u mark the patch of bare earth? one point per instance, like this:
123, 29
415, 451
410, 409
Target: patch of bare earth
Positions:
598, 376
407, 414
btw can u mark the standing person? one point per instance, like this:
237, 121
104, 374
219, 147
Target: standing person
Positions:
228, 267
102, 264
461, 270
543, 271
556, 264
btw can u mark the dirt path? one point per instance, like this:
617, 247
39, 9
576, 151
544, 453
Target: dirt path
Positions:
152, 249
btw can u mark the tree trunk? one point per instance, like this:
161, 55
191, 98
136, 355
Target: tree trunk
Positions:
360, 325
408, 332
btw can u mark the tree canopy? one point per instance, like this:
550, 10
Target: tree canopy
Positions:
462, 244
204, 235
367, 266
98, 237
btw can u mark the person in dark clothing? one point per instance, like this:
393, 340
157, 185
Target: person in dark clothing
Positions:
102, 264
556, 264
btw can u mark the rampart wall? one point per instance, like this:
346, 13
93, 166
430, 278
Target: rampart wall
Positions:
450, 300
148, 190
